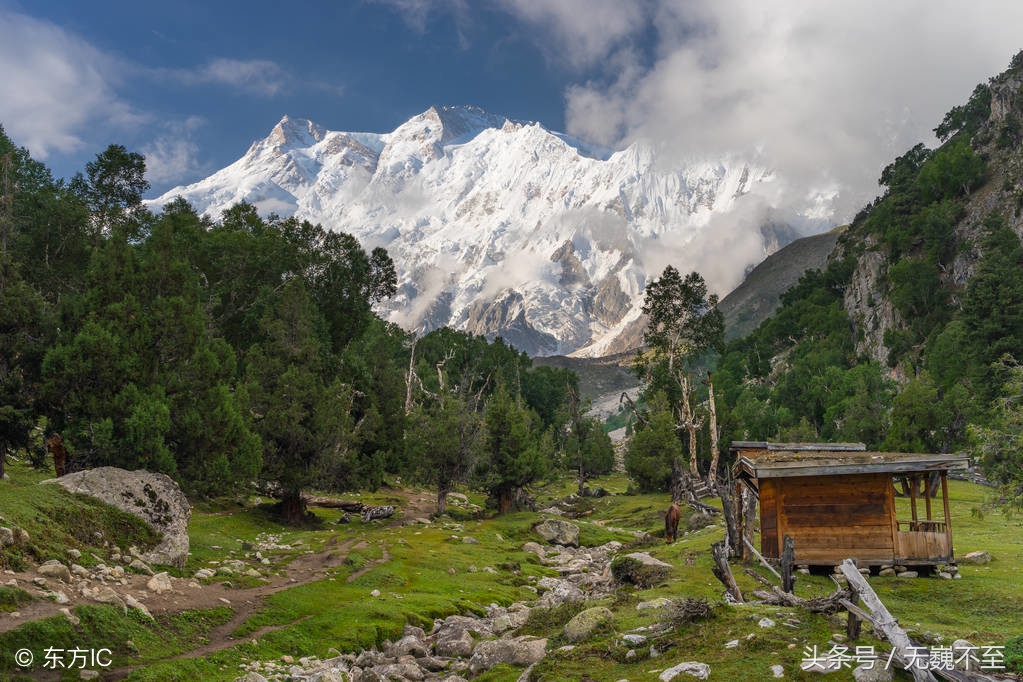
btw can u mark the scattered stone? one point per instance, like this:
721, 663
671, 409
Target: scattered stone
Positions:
55, 569
634, 640
84, 674
106, 595
873, 673
59, 597
886, 572
72, 618
732, 644
534, 548
698, 670
133, 603
140, 566
766, 623
908, 574
520, 651
978, 558
372, 513
658, 603
160, 583
777, 670
154, 498
74, 553
558, 532
583, 624
204, 574
6, 537
375, 593
470, 540
944, 575
456, 645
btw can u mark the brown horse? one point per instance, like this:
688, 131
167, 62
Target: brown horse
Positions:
671, 519
56, 446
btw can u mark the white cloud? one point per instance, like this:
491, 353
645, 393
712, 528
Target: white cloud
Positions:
827, 93
582, 31
254, 76
173, 157
55, 86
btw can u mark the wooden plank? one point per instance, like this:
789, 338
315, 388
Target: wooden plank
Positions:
852, 625
843, 536
808, 497
855, 484
833, 556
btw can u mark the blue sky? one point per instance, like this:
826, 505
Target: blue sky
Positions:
827, 92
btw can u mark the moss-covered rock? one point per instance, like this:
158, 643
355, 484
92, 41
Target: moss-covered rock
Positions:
587, 622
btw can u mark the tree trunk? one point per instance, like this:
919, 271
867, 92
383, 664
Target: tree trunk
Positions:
293, 507
712, 474
749, 516
442, 501
690, 423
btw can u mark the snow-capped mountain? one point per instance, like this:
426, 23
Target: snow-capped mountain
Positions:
505, 228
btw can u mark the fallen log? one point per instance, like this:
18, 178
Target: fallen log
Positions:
884, 623
722, 571
333, 503
833, 603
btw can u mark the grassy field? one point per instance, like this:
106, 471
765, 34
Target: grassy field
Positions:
424, 572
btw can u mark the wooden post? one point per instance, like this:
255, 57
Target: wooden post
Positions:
927, 500
788, 558
712, 473
912, 501
723, 572
749, 519
948, 515
852, 626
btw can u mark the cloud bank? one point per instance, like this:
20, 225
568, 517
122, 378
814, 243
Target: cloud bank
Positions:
55, 85
826, 93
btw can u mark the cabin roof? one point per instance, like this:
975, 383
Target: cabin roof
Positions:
802, 461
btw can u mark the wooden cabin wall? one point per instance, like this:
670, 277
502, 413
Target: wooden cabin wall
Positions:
770, 546
835, 517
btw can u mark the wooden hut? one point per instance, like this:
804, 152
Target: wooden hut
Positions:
838, 501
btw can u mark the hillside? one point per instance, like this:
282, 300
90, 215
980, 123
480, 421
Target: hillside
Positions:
909, 337
759, 294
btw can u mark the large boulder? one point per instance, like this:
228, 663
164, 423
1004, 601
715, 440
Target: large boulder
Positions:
558, 532
154, 498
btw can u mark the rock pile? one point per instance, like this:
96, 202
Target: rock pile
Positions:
459, 647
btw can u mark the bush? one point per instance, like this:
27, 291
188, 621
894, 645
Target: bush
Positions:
1014, 654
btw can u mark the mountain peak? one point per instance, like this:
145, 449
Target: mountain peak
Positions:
295, 132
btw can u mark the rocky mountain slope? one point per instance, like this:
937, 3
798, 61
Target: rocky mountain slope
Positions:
505, 228
759, 295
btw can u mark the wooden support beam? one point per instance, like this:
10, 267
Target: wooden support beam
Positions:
884, 623
759, 556
948, 515
788, 559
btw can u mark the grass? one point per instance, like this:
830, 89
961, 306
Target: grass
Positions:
57, 521
424, 572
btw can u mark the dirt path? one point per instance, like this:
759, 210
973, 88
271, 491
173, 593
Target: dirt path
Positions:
245, 602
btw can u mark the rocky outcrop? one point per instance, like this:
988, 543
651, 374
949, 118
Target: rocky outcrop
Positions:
154, 498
